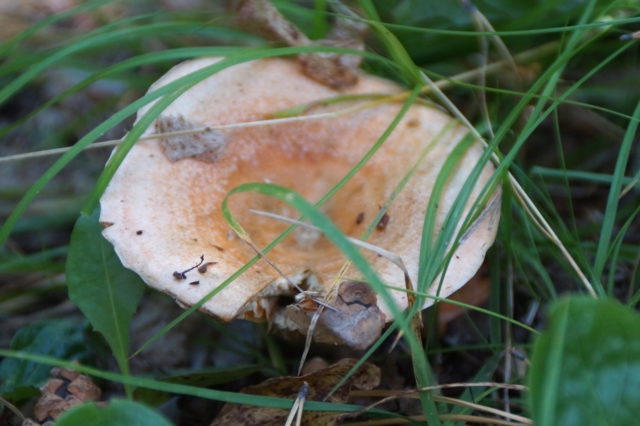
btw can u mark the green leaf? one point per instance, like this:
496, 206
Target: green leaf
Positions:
20, 379
117, 413
585, 369
106, 292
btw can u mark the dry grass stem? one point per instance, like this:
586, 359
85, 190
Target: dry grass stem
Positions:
390, 395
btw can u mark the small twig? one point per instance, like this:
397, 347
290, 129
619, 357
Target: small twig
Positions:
183, 275
422, 418
298, 406
309, 338
479, 407
242, 125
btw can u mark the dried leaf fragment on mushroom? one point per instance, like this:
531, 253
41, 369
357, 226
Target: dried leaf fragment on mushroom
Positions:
189, 140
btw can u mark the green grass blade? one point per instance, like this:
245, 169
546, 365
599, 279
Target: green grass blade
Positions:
90, 42
9, 45
146, 59
613, 199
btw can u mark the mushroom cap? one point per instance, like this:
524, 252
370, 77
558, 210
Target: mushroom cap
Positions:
162, 214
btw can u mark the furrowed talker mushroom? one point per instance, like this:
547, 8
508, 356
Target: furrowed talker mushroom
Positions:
164, 203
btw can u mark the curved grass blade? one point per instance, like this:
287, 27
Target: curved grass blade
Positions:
90, 42
146, 59
613, 199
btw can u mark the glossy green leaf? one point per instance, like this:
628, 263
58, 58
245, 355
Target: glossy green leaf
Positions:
117, 413
106, 292
21, 379
585, 368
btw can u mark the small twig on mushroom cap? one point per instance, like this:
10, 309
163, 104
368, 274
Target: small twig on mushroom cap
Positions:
183, 275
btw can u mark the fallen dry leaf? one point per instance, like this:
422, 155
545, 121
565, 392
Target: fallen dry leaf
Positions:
64, 389
320, 383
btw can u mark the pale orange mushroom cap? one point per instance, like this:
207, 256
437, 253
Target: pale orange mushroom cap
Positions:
163, 215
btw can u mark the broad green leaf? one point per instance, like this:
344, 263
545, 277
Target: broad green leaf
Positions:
585, 369
106, 292
117, 413
20, 378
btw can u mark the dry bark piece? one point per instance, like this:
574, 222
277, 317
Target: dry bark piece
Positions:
177, 203
320, 383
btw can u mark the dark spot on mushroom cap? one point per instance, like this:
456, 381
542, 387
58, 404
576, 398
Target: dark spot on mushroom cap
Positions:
218, 247
138, 232
194, 283
383, 222
413, 123
360, 218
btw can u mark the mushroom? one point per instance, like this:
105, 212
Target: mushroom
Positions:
162, 209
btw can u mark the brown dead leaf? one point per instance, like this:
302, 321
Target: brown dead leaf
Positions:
320, 383
64, 389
